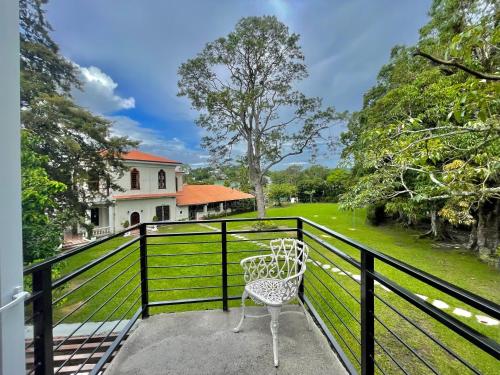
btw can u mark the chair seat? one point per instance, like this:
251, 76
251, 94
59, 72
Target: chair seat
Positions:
268, 291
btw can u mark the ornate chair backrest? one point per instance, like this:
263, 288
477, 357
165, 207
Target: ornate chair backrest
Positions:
290, 256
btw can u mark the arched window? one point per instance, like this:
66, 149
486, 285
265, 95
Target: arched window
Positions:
134, 179
161, 179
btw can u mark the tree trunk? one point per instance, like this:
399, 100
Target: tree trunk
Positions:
471, 245
255, 176
436, 225
481, 228
495, 228
259, 197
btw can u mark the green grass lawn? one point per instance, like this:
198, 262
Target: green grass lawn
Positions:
332, 294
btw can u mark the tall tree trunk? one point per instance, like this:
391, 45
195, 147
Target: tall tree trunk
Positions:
259, 197
255, 175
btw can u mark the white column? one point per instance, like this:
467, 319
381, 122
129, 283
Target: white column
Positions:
221, 206
111, 214
11, 256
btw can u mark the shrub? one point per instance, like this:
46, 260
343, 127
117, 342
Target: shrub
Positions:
125, 224
264, 224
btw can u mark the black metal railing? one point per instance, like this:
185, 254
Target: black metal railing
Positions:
85, 301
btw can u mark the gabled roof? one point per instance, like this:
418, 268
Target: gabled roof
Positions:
203, 194
136, 155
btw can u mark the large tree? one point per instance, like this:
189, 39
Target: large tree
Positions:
427, 141
243, 84
64, 142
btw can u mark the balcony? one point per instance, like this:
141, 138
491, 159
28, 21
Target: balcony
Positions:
201, 342
143, 302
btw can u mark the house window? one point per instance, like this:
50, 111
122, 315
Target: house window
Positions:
163, 213
134, 179
161, 179
93, 181
176, 184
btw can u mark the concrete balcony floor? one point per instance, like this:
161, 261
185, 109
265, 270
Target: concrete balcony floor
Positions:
202, 342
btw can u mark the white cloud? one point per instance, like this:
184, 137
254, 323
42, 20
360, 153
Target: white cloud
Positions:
99, 92
155, 142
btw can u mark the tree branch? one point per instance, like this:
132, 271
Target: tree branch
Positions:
456, 64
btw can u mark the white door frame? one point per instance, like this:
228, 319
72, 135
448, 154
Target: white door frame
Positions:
12, 360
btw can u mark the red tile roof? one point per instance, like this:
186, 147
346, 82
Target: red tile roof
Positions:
144, 196
143, 156
203, 194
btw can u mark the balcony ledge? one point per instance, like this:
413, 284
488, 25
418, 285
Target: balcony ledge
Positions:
202, 342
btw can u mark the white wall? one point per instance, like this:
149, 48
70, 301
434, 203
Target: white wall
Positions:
145, 207
148, 177
182, 212
11, 256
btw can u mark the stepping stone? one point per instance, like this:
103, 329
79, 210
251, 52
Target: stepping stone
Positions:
425, 298
356, 277
351, 228
326, 266
486, 320
335, 269
440, 304
325, 235
461, 312
309, 260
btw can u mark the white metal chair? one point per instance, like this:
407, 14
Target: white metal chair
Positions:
273, 280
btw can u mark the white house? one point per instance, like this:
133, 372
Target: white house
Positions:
153, 189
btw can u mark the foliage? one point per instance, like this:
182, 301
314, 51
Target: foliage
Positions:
280, 192
41, 235
338, 181
243, 86
427, 140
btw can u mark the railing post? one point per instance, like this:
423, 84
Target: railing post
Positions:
367, 315
42, 322
223, 227
300, 237
144, 271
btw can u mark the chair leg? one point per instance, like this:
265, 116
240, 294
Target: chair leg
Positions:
275, 314
308, 318
243, 298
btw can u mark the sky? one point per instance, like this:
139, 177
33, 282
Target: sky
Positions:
128, 53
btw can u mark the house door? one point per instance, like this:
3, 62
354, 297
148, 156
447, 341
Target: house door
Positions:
94, 216
135, 218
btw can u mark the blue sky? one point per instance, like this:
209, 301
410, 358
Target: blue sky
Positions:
128, 52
